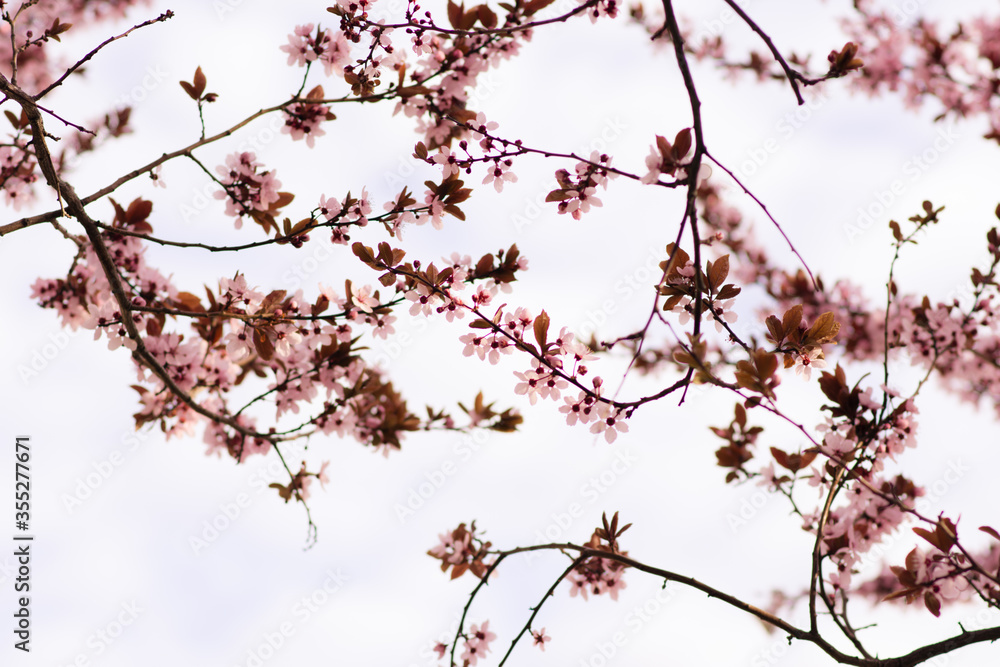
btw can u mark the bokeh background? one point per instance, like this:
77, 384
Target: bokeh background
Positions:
149, 552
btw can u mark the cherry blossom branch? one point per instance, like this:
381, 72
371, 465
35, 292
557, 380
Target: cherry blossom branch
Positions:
839, 619
813, 636
14, 50
202, 141
691, 210
52, 215
77, 210
896, 502
483, 580
521, 149
499, 330
135, 173
845, 626
281, 238
505, 31
166, 157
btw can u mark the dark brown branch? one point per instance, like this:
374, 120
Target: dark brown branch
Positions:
501, 32
793, 76
691, 210
812, 636
58, 82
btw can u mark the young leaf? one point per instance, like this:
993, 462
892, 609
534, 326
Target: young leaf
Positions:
823, 330
792, 319
682, 144
541, 329
197, 88
717, 272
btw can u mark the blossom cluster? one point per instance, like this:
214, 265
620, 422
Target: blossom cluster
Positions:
306, 347
307, 351
246, 188
303, 119
576, 192
306, 46
597, 576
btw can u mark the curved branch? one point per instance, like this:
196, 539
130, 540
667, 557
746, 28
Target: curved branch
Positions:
58, 82
812, 636
793, 76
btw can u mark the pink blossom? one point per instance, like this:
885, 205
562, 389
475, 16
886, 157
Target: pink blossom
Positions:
484, 127
473, 345
722, 310
613, 583
805, 362
299, 47
330, 48
609, 422
302, 121
580, 409
155, 175
383, 326
238, 342
529, 385
653, 166
500, 173
472, 653
363, 298
287, 336
482, 635
498, 346
245, 188
449, 163
323, 478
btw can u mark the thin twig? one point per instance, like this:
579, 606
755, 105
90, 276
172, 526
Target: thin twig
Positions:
58, 82
770, 217
792, 78
538, 607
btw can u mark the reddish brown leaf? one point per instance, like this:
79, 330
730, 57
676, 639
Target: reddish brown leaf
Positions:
541, 329
263, 344
534, 6
664, 146
682, 144
189, 302
823, 330
199, 81
780, 457
455, 14
932, 603
486, 16
791, 320
717, 272
990, 531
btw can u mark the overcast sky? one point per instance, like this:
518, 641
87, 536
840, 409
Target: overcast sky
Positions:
148, 552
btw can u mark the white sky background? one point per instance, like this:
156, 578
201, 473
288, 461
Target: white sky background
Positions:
128, 544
